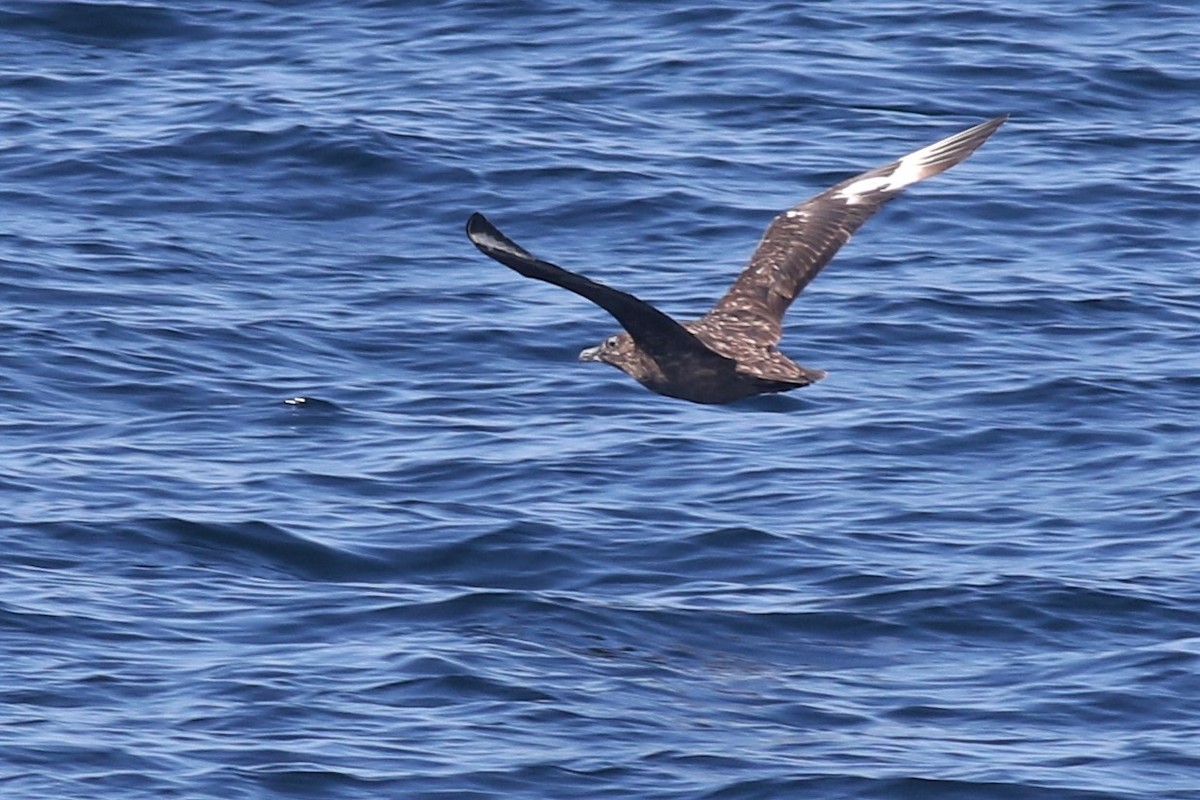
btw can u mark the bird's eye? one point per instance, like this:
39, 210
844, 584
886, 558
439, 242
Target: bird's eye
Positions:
610, 343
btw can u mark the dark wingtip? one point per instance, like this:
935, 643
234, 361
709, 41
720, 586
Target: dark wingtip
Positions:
491, 242
477, 223
486, 236
988, 127
996, 122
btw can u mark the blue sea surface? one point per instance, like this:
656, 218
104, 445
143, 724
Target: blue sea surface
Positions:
964, 565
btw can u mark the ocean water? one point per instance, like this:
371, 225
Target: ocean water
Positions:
965, 565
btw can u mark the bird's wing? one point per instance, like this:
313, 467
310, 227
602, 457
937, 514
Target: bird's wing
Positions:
655, 333
802, 240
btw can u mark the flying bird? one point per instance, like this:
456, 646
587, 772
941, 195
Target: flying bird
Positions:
730, 353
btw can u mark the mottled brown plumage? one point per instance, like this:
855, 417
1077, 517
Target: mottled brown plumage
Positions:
730, 352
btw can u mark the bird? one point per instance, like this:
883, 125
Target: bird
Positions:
731, 353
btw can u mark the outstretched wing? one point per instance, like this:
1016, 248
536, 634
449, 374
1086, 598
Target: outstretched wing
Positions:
802, 240
659, 336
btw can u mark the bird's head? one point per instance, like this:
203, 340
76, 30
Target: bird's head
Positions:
618, 350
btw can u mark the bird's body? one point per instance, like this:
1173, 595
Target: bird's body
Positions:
730, 353
741, 369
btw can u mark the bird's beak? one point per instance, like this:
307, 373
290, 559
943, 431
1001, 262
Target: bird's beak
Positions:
590, 354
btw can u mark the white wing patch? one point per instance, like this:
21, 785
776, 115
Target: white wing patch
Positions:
909, 170
853, 193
